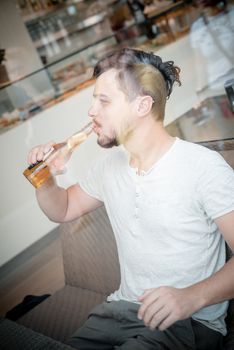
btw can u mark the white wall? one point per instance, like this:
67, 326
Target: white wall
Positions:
21, 221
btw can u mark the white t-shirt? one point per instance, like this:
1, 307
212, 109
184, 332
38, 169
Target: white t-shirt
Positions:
163, 219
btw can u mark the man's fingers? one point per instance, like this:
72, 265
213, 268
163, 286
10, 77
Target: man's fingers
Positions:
149, 297
38, 153
144, 295
151, 311
158, 318
167, 322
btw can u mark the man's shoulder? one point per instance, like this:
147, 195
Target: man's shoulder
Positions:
194, 147
198, 154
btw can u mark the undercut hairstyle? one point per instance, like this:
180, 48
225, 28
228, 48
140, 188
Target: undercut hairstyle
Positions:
142, 73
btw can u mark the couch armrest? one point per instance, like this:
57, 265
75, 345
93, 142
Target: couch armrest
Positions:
90, 254
16, 337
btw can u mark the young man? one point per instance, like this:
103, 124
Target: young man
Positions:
171, 206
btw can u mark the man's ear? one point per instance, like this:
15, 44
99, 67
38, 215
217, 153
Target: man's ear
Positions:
144, 105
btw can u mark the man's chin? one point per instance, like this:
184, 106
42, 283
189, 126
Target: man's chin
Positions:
108, 143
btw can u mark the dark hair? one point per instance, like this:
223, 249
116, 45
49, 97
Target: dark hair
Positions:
127, 58
142, 73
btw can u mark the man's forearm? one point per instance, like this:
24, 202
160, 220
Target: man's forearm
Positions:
163, 306
53, 200
217, 288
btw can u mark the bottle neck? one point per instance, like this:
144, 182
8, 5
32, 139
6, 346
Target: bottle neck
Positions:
79, 137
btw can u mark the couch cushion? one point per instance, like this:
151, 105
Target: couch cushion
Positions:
17, 337
90, 254
62, 314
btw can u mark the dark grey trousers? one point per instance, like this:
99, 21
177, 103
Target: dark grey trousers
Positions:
114, 325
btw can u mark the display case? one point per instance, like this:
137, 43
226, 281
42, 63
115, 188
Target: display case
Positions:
60, 28
69, 37
24, 98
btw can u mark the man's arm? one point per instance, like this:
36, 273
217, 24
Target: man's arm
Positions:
61, 204
57, 203
220, 286
161, 307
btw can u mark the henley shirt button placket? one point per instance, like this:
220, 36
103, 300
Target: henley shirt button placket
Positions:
136, 216
137, 194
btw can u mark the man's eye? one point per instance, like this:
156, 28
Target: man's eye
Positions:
104, 101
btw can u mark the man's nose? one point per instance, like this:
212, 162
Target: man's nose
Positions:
92, 112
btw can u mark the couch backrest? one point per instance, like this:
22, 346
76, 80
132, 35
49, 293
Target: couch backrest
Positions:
90, 253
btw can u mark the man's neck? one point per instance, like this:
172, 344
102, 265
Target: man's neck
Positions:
148, 143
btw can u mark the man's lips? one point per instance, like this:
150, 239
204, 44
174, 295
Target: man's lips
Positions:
96, 127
